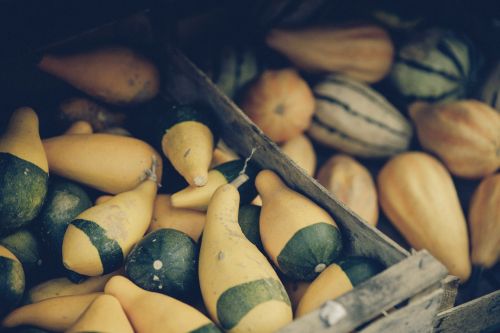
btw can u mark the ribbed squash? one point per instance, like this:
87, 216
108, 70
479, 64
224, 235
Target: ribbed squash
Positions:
353, 118
464, 134
151, 312
240, 288
418, 196
352, 184
490, 91
116, 75
336, 280
362, 52
104, 314
109, 163
300, 237
83, 109
434, 66
484, 222
280, 103
23, 171
189, 221
54, 314
12, 280
301, 151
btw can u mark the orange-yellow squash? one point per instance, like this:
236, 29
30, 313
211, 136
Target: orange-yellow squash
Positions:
301, 151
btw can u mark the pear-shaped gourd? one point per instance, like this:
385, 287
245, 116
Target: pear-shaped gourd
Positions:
300, 237
12, 280
98, 239
350, 182
189, 221
188, 142
198, 197
116, 75
484, 222
54, 314
363, 52
418, 196
104, 314
240, 288
23, 171
150, 312
464, 134
301, 151
109, 163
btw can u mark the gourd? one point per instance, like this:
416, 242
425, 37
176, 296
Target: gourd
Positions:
104, 314
351, 183
189, 221
336, 280
295, 290
116, 75
199, 197
165, 261
107, 232
240, 288
23, 171
106, 162
361, 51
27, 249
418, 196
434, 66
281, 103
65, 287
301, 151
12, 280
248, 219
83, 109
484, 222
222, 154
355, 119
188, 142
80, 127
490, 91
464, 134
300, 237
54, 314
151, 312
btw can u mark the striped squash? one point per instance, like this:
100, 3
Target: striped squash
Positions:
353, 118
490, 91
435, 66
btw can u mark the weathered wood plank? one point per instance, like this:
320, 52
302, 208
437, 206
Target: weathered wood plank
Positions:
370, 298
187, 84
471, 317
416, 317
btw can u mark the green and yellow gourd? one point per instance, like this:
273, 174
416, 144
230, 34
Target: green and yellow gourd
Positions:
165, 261
98, 240
151, 312
300, 237
12, 280
435, 66
355, 119
336, 280
188, 142
199, 197
240, 289
27, 248
248, 219
23, 171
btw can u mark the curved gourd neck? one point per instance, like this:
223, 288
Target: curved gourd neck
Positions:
268, 184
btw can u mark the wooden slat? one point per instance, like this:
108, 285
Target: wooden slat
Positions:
187, 84
472, 317
416, 317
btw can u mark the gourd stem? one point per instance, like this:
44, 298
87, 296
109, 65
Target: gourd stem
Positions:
240, 180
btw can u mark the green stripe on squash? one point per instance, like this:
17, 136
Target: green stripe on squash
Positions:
237, 301
23, 187
248, 219
11, 284
208, 328
110, 252
309, 251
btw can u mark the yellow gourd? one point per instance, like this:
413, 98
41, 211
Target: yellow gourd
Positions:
110, 163
53, 314
104, 314
222, 154
98, 239
80, 127
102, 199
240, 288
301, 151
484, 222
115, 75
189, 221
352, 184
418, 196
151, 312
